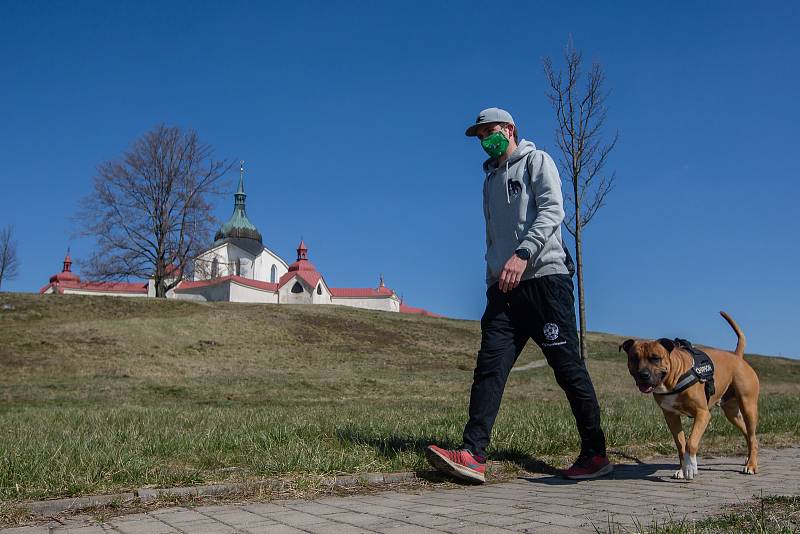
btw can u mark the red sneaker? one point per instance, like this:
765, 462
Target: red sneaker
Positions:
460, 464
586, 467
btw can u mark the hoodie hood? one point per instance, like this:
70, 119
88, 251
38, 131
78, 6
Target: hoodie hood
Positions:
524, 148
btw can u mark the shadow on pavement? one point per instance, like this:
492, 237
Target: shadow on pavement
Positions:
525, 461
640, 471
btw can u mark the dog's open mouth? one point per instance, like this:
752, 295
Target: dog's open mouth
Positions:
646, 388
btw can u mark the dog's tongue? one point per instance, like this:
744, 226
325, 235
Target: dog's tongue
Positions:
645, 388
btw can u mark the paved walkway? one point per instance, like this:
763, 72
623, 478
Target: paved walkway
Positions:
539, 503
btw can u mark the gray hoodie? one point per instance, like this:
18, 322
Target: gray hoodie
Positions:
524, 208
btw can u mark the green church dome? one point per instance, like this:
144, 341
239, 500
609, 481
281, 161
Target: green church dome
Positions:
238, 226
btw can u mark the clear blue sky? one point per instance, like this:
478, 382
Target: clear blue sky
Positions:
350, 117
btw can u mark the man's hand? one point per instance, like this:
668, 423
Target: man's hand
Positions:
512, 273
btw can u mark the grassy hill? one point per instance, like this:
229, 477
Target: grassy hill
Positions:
100, 394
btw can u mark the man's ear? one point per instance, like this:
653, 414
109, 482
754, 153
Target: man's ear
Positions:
667, 344
626, 345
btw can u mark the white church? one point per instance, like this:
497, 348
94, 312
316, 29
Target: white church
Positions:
239, 268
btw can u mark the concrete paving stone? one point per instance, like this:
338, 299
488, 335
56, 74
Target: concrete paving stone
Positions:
497, 520
428, 520
430, 509
612, 500
334, 501
239, 519
374, 509
463, 528
273, 528
27, 530
535, 527
311, 507
218, 508
264, 508
170, 510
534, 504
406, 496
446, 501
356, 519
183, 516
88, 529
141, 524
391, 514
209, 527
494, 509
295, 519
404, 528
331, 527
492, 501
555, 519
567, 511
381, 499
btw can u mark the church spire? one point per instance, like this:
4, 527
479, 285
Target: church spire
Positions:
67, 267
239, 196
302, 251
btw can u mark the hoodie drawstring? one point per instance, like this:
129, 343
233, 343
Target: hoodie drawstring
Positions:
508, 197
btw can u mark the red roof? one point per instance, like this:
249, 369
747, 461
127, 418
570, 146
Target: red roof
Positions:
256, 284
302, 265
309, 277
302, 268
404, 308
361, 292
106, 287
66, 274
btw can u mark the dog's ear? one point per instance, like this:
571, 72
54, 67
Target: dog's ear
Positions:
667, 344
626, 345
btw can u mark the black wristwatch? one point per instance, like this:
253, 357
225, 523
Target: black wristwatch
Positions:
523, 253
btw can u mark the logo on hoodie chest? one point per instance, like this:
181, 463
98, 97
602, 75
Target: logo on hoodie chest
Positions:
514, 189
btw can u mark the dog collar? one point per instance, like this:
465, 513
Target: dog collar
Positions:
702, 371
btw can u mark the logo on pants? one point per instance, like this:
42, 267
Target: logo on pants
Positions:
551, 331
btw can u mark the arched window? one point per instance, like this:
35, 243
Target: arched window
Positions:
319, 289
214, 268
238, 267
297, 288
273, 274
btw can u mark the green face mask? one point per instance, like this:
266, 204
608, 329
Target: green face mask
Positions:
495, 144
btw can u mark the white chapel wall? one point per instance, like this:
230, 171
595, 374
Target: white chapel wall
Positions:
263, 266
240, 293
384, 303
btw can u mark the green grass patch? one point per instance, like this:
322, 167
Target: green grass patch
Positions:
765, 515
103, 394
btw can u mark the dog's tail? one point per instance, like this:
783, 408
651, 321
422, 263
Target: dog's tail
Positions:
741, 341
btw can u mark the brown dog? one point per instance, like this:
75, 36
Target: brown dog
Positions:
658, 366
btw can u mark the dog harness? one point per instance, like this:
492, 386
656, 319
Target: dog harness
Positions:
702, 371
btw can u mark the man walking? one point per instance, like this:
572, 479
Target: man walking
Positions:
529, 296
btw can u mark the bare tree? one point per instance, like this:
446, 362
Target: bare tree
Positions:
9, 261
150, 210
580, 110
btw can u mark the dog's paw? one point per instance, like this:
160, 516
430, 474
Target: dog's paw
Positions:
688, 474
747, 470
689, 466
678, 475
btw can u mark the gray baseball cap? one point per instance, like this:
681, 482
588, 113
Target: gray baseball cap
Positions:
488, 116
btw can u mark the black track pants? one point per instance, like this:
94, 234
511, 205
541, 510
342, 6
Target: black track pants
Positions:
541, 309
